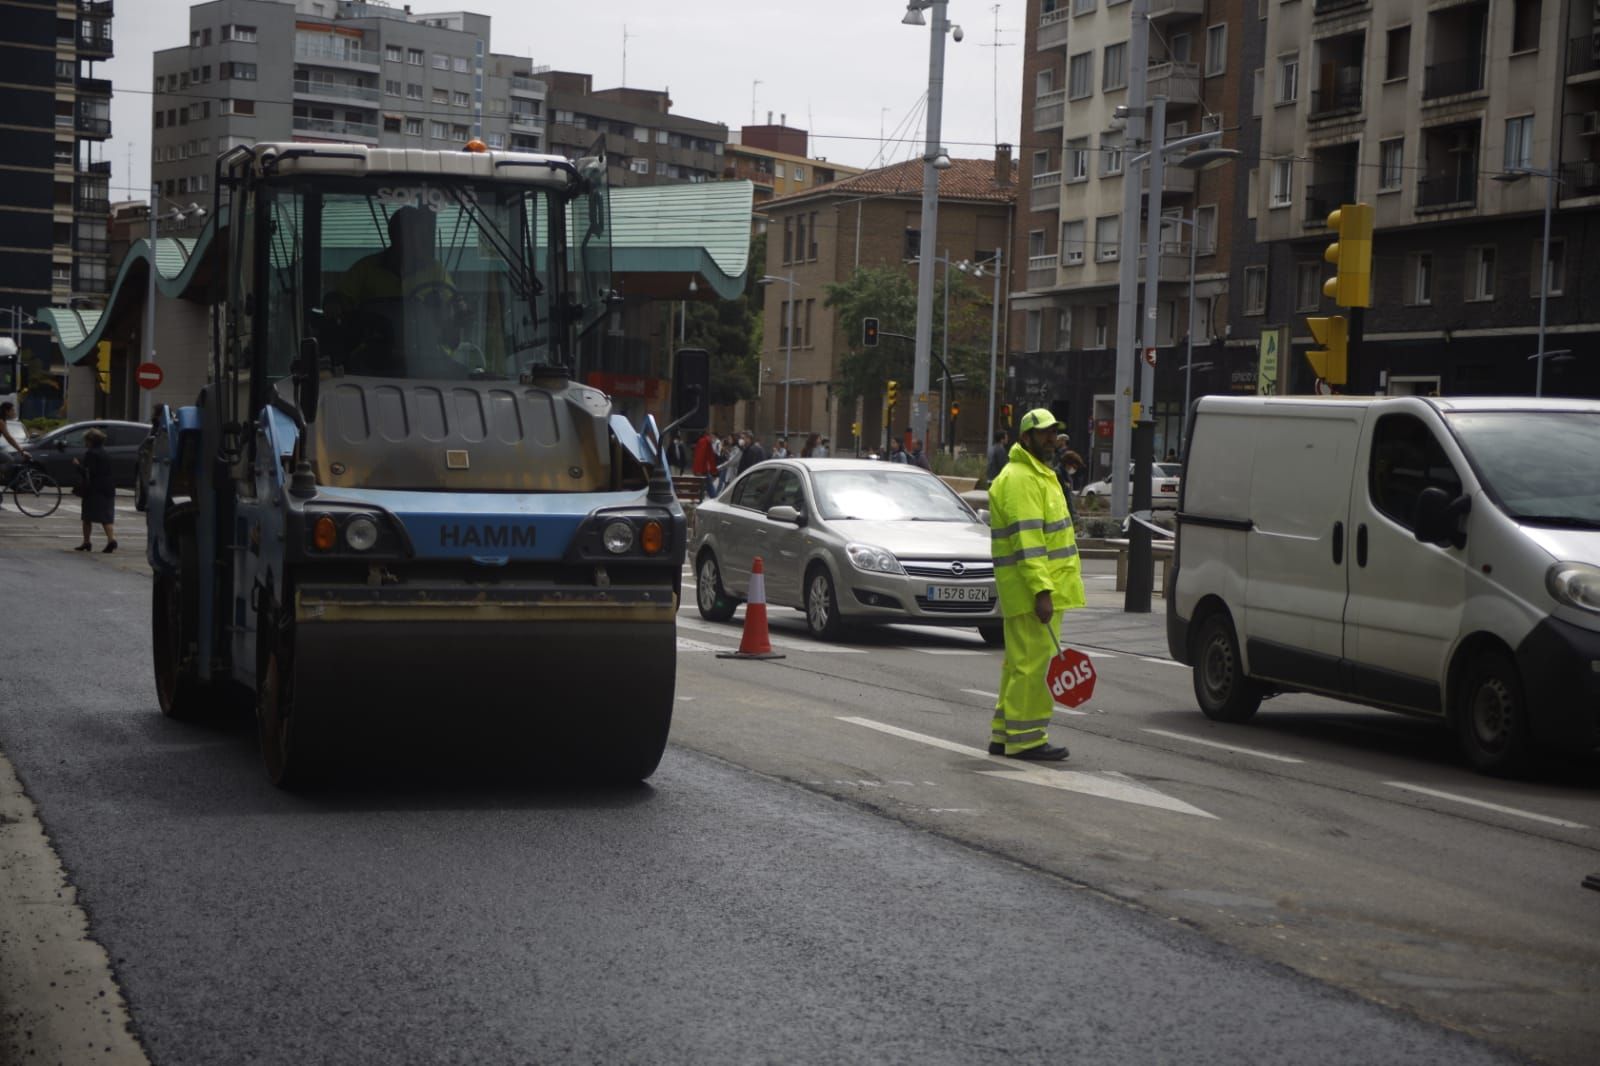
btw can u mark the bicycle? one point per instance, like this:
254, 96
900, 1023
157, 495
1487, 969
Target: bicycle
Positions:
36, 493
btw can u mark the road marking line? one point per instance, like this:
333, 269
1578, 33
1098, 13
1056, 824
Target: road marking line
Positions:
1486, 805
685, 644
1110, 786
946, 651
777, 642
1224, 747
1161, 662
980, 692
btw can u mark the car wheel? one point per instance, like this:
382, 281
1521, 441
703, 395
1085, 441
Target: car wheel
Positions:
822, 606
1221, 688
709, 596
993, 634
1492, 715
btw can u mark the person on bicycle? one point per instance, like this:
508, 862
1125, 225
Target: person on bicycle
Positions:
8, 413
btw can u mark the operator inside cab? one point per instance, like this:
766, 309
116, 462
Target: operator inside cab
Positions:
398, 311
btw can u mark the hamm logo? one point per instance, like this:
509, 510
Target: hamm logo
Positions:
468, 536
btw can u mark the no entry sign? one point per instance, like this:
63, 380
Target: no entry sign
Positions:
1070, 677
148, 375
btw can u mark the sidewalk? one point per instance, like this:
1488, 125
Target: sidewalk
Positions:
1104, 624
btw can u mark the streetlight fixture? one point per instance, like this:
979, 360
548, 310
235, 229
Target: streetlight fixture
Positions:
1550, 183
934, 159
788, 355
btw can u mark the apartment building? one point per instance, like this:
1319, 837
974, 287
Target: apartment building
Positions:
646, 144
776, 160
821, 236
1066, 257
54, 189
334, 70
1455, 119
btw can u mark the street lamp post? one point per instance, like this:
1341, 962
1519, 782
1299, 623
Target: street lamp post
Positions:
1550, 183
788, 354
976, 270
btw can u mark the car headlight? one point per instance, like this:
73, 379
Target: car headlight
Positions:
874, 560
618, 537
1575, 584
361, 533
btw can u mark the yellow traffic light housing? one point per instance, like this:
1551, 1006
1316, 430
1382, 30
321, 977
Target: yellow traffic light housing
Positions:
891, 394
1332, 360
1351, 255
102, 365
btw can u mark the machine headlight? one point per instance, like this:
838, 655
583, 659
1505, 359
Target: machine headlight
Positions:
1575, 584
361, 534
874, 560
618, 537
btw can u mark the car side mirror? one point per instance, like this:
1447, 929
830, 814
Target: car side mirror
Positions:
983, 515
1438, 518
784, 513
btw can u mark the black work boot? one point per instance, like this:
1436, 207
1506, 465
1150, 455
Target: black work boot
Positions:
1043, 753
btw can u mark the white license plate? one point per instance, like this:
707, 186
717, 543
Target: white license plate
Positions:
958, 593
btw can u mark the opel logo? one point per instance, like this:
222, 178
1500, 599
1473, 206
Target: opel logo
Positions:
958, 568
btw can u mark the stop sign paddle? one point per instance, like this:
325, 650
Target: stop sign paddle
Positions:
1070, 677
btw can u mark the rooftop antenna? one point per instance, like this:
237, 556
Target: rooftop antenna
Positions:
625, 36
753, 86
996, 44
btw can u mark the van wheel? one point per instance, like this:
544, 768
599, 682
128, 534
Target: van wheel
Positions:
1492, 715
1224, 693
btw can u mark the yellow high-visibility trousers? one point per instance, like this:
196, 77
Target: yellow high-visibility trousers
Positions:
1022, 714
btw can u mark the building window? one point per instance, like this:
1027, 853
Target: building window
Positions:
1031, 338
1078, 159
238, 107
1064, 329
1072, 243
799, 173
391, 87
1519, 142
1080, 75
800, 238
1082, 7
1557, 267
441, 61
1036, 247
1044, 82
414, 127
1398, 63
1216, 49
1101, 326
394, 53
1391, 163
413, 91
498, 140
161, 120
461, 99
1307, 286
1110, 154
1255, 290
438, 131
1258, 90
1041, 162
1525, 25
1107, 238
1480, 273
441, 97
460, 132
1282, 182
1288, 78
1178, 48
391, 123
1205, 229
1115, 73
788, 241
247, 34
1419, 287
811, 248
414, 57
460, 65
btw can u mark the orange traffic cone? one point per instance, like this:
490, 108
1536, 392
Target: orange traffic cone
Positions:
754, 644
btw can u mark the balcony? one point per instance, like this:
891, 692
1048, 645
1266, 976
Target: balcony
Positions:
1178, 82
337, 90
1173, 258
1439, 193
94, 43
1175, 180
1453, 78
1329, 7
96, 8
1053, 28
1041, 271
94, 87
1161, 9
520, 121
90, 125
1046, 193
325, 52
335, 129
1583, 55
525, 86
93, 201
1580, 179
1332, 103
1324, 198
91, 245
1049, 110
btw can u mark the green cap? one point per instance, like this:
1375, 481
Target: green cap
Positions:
1041, 418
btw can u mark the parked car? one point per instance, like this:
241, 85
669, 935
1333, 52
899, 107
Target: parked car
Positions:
849, 542
1165, 479
56, 450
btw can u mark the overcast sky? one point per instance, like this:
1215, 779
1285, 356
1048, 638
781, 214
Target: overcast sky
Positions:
844, 69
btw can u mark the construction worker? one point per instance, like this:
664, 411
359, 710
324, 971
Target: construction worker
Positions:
1038, 575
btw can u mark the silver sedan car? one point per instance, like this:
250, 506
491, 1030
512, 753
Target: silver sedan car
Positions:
849, 542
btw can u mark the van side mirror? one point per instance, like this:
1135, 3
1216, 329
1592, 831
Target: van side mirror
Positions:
1439, 518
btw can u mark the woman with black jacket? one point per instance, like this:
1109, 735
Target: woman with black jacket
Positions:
99, 492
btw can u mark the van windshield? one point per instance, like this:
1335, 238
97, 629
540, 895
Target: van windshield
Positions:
1539, 468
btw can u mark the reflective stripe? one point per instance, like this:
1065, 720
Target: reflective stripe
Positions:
1016, 527
1017, 556
1026, 737
1063, 553
1056, 527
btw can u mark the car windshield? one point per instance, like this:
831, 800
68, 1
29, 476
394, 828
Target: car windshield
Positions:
1540, 467
887, 496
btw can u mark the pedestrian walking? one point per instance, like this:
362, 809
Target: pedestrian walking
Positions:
1039, 576
753, 452
677, 458
730, 468
918, 457
897, 453
808, 450
998, 453
99, 491
780, 449
824, 449
705, 464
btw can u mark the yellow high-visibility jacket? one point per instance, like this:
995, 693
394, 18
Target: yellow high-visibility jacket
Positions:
1031, 537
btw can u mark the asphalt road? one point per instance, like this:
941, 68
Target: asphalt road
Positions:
826, 868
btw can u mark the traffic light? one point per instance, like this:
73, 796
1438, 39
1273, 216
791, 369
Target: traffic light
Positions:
891, 394
1351, 254
1331, 361
1005, 415
869, 333
955, 409
102, 365
855, 429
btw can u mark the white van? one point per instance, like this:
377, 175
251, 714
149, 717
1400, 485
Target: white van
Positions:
1437, 557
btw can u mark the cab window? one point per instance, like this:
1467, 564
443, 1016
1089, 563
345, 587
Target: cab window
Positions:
1406, 458
751, 488
788, 492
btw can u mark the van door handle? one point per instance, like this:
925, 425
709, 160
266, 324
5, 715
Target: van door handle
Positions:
1338, 543
1361, 544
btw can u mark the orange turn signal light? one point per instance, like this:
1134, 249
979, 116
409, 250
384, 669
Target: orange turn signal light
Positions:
652, 538
324, 534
